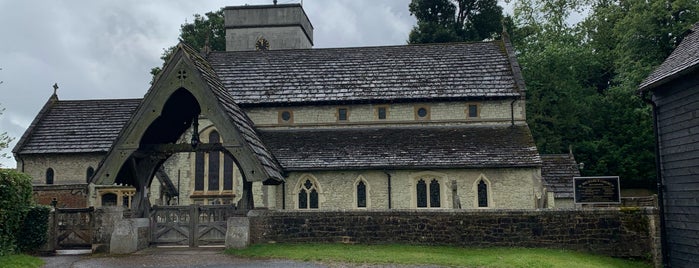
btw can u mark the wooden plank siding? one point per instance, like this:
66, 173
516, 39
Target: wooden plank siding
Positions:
678, 129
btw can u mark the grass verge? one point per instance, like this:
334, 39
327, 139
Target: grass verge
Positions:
20, 261
433, 255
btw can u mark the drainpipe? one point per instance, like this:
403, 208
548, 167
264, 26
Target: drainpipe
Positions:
660, 185
388, 176
512, 110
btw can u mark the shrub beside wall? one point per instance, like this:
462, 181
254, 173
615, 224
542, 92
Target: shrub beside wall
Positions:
15, 203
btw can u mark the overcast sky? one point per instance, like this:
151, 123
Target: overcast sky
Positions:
105, 49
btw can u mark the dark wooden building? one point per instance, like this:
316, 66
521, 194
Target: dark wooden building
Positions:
674, 93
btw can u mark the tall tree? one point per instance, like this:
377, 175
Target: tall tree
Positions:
207, 30
440, 21
582, 78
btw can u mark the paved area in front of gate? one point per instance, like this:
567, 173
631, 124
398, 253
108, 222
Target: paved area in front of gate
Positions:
179, 258
167, 257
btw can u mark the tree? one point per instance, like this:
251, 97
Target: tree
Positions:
440, 21
207, 30
582, 79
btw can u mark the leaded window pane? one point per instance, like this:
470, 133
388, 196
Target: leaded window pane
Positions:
88, 174
421, 194
342, 114
482, 194
382, 112
434, 194
472, 110
361, 195
303, 199
214, 163
228, 165
199, 171
49, 176
313, 199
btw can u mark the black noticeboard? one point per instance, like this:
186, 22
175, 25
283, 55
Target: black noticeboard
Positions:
597, 190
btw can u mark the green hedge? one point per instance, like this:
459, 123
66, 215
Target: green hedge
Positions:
33, 232
15, 201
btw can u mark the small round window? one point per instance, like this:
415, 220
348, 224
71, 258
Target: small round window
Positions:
422, 112
286, 116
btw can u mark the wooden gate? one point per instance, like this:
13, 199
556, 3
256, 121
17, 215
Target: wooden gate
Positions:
193, 225
73, 227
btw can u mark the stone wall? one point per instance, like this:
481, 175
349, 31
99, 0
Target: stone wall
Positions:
67, 195
613, 232
400, 113
67, 168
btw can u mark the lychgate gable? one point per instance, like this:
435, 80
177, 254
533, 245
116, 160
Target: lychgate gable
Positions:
186, 89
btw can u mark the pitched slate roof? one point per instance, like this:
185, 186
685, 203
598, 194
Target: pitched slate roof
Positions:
235, 113
683, 59
557, 173
403, 147
76, 126
387, 73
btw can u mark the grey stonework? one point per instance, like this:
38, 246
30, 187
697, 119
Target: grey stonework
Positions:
238, 232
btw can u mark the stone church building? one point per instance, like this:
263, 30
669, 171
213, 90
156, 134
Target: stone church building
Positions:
273, 123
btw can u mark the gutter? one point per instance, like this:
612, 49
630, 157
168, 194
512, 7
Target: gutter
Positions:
660, 184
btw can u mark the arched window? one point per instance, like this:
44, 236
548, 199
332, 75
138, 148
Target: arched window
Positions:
214, 171
109, 199
361, 194
482, 194
88, 174
434, 194
429, 193
49, 176
214, 165
308, 195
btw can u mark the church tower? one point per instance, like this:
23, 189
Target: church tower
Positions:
266, 27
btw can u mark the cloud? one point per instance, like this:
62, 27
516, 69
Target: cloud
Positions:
105, 49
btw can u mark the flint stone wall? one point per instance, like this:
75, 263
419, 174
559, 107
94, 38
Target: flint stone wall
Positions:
613, 232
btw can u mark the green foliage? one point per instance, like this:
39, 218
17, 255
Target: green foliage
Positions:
4, 139
433, 255
204, 30
15, 200
582, 79
33, 232
20, 261
440, 21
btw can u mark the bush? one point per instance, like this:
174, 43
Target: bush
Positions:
15, 201
33, 232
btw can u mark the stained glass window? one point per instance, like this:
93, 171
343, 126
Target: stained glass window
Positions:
422, 112
308, 195
472, 110
88, 173
421, 194
228, 172
199, 171
381, 112
49, 176
214, 159
313, 199
303, 199
361, 195
342, 114
434, 194
482, 194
